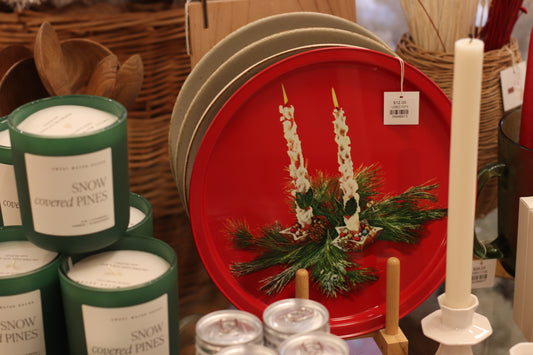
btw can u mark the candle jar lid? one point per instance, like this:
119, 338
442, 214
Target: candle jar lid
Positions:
314, 343
290, 316
221, 329
249, 349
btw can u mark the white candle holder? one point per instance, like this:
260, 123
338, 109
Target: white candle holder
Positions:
456, 329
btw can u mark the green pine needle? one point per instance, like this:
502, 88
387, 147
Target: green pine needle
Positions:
401, 216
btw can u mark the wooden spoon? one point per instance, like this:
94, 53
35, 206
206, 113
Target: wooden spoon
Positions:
12, 54
81, 59
66, 67
129, 81
104, 77
21, 84
50, 62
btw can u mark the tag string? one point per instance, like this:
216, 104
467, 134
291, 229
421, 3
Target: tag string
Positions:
402, 74
513, 64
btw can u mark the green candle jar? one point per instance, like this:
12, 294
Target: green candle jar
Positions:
141, 221
31, 313
71, 164
9, 202
122, 299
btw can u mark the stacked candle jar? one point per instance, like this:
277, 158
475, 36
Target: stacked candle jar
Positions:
83, 257
292, 316
289, 326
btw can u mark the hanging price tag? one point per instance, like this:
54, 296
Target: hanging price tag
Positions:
512, 84
483, 273
401, 108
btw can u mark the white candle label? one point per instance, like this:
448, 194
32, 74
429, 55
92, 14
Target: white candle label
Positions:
5, 139
66, 120
71, 195
19, 257
401, 108
140, 329
513, 80
136, 216
9, 201
21, 324
118, 269
483, 273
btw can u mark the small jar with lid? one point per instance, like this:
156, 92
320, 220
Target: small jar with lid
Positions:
221, 329
250, 349
291, 316
314, 343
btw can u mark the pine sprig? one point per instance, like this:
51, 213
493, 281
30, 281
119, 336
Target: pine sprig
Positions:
334, 274
402, 218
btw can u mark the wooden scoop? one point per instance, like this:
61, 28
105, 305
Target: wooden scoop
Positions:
130, 78
66, 67
50, 62
10, 55
21, 84
102, 82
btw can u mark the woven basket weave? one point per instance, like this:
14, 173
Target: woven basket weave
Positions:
438, 67
157, 34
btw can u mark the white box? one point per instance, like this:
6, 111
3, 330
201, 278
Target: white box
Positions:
523, 287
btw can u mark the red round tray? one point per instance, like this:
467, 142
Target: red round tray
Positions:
240, 172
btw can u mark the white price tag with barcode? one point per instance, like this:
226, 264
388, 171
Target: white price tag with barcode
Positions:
512, 84
401, 108
483, 273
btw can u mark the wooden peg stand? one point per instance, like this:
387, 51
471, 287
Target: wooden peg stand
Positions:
391, 340
225, 16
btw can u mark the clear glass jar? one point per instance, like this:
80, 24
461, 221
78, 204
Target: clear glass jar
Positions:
314, 343
291, 316
250, 349
221, 329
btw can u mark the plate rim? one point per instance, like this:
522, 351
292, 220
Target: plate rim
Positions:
222, 283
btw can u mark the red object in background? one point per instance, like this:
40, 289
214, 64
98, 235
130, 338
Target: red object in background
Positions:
526, 123
240, 172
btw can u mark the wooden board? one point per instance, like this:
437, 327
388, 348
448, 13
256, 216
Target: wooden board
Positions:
225, 16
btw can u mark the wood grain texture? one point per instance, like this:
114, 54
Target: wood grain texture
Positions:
225, 16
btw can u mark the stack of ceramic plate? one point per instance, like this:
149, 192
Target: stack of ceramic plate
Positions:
229, 155
237, 58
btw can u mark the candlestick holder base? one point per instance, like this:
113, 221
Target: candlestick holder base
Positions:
456, 329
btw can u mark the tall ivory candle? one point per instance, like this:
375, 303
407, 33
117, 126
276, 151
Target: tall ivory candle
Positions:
467, 76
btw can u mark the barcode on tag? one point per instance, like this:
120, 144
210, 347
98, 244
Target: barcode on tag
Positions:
483, 273
400, 108
397, 112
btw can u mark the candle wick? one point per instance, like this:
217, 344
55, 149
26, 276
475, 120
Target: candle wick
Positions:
12, 265
113, 272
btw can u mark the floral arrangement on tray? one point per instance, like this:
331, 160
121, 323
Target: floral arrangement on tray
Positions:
336, 217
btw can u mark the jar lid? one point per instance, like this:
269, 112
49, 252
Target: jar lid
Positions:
228, 327
250, 349
315, 343
295, 315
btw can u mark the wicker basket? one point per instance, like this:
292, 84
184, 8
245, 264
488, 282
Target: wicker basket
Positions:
157, 33
438, 66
